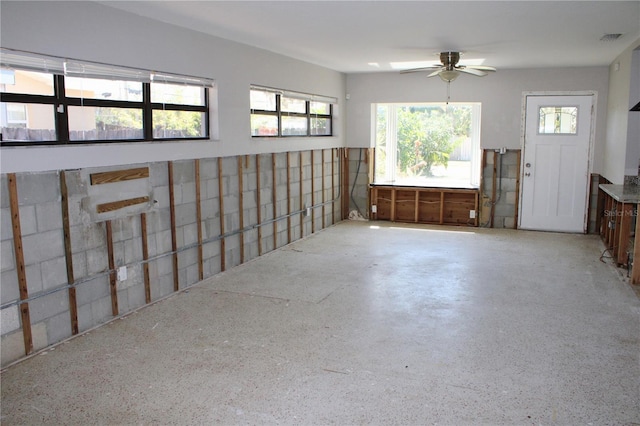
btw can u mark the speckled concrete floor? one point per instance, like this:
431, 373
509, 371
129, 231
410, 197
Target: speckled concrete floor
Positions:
363, 323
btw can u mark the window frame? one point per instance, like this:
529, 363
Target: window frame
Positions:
279, 113
61, 102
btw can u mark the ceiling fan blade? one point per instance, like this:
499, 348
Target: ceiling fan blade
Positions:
433, 74
420, 69
479, 73
481, 67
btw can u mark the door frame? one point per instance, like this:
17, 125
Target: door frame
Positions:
590, 157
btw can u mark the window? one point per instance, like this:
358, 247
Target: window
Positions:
429, 144
283, 113
48, 100
558, 120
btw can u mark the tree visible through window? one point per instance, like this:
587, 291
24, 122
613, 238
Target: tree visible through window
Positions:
428, 144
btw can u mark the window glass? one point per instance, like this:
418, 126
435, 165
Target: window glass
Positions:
177, 94
103, 123
319, 108
558, 120
92, 88
428, 144
294, 126
320, 126
21, 122
293, 105
262, 100
27, 82
178, 124
264, 125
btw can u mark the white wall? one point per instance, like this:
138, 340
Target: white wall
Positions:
632, 160
94, 32
500, 93
618, 118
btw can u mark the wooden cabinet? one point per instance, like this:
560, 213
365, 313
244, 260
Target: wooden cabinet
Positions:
619, 225
443, 206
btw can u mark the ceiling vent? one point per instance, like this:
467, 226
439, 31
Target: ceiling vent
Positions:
610, 37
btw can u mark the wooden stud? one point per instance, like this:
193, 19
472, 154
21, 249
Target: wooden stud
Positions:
393, 205
145, 258
68, 252
313, 194
441, 208
174, 239
20, 266
115, 205
113, 286
241, 206
274, 199
517, 201
288, 197
416, 206
223, 260
324, 196
301, 196
635, 271
259, 202
345, 183
333, 190
625, 214
494, 189
196, 166
119, 175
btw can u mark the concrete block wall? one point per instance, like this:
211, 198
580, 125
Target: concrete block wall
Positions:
359, 182
40, 203
500, 212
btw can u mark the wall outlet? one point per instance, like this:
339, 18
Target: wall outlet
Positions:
472, 214
122, 273
374, 209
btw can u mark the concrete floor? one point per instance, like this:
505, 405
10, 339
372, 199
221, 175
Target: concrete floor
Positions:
363, 323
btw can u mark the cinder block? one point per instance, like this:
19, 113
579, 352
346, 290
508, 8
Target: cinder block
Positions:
43, 246
6, 227
7, 256
136, 297
9, 319
97, 260
28, 221
183, 171
132, 251
158, 174
38, 188
49, 216
48, 306
210, 250
101, 310
58, 328
9, 290
54, 273
185, 214
12, 347
208, 168
188, 190
76, 185
4, 192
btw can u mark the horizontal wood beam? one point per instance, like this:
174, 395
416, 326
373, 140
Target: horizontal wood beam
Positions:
119, 175
115, 205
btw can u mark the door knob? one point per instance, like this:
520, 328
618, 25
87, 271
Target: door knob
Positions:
528, 165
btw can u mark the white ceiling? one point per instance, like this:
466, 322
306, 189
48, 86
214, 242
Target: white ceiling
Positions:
369, 36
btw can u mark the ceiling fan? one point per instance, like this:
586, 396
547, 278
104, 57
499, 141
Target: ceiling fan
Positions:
450, 70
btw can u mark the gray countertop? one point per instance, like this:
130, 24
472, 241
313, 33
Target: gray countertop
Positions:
622, 193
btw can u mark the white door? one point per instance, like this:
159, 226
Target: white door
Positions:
555, 172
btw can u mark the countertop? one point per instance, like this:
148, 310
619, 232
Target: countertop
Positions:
622, 193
